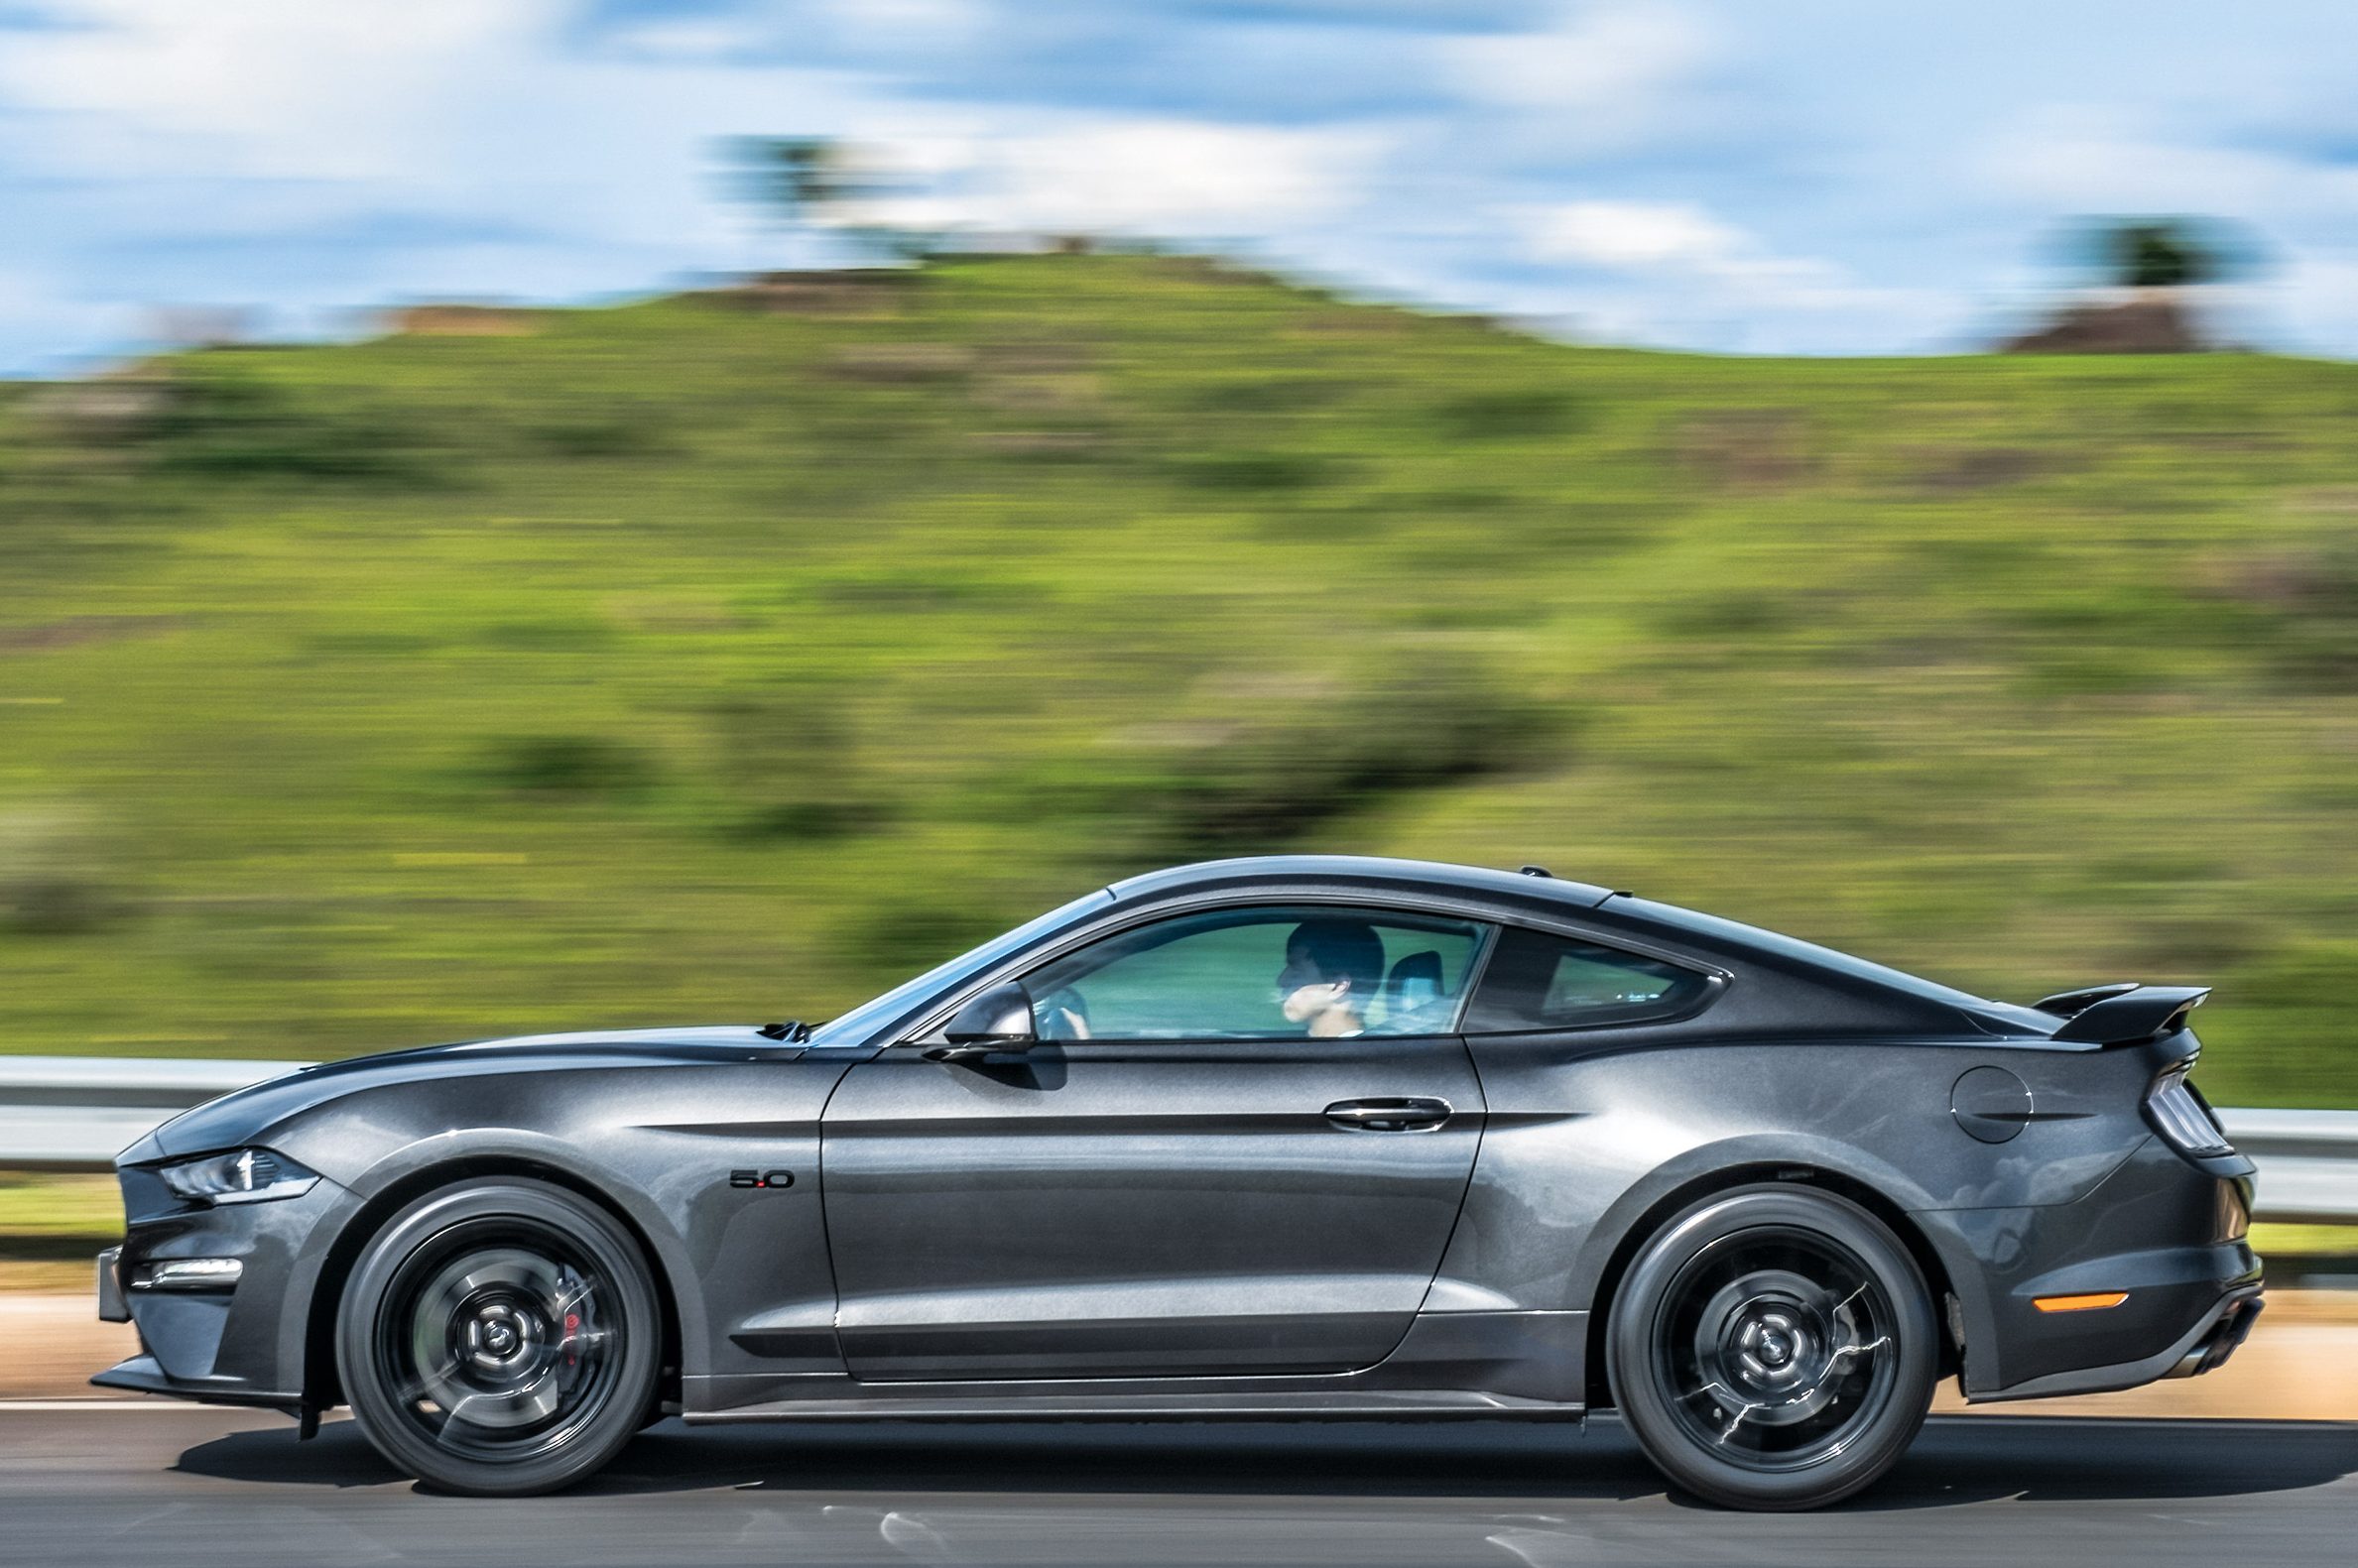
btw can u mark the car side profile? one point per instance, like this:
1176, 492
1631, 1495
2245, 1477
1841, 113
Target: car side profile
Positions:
1294, 1136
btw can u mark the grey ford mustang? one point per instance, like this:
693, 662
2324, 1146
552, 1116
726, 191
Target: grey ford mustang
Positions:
1288, 1137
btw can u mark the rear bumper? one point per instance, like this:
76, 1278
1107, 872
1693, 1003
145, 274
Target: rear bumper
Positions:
2161, 1234
2204, 1348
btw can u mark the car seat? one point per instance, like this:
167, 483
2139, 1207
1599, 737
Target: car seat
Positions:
1412, 987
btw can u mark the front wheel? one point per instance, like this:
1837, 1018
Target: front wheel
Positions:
1773, 1347
500, 1339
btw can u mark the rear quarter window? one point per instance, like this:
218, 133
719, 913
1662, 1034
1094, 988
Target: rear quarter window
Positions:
1538, 981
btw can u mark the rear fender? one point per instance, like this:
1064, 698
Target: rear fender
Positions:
1730, 1163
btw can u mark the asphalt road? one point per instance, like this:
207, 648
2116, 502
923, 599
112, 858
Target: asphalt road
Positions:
183, 1485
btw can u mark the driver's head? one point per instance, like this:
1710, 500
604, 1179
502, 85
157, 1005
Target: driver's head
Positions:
1332, 969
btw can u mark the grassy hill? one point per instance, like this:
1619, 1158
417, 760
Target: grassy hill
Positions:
729, 656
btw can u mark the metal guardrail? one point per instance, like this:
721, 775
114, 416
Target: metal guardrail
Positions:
75, 1113
2308, 1160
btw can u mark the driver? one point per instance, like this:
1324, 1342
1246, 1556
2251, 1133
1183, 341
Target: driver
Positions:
1332, 971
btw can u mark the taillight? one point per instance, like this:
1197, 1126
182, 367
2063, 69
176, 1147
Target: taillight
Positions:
2178, 1114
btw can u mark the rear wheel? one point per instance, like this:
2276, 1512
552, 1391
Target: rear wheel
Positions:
500, 1339
1773, 1347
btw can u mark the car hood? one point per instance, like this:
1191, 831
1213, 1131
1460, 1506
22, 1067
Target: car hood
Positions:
238, 1117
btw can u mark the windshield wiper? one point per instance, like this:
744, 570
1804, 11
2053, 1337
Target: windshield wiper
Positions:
790, 1030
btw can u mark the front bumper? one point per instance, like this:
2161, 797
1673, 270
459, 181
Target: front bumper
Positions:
240, 1344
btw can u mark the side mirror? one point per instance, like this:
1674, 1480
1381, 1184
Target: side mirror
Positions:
1001, 1015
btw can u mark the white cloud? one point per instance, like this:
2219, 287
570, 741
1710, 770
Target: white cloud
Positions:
2317, 298
2081, 159
1159, 176
1628, 235
307, 112
689, 38
1654, 237
1669, 272
294, 115
892, 23
1600, 73
269, 87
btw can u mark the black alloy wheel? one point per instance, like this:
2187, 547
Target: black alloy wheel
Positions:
500, 1339
1773, 1347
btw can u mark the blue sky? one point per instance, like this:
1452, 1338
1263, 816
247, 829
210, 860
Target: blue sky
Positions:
1755, 175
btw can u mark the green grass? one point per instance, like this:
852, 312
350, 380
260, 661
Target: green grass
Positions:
73, 1205
683, 661
2306, 1241
63, 1218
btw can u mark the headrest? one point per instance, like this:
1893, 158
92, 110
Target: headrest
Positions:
1415, 981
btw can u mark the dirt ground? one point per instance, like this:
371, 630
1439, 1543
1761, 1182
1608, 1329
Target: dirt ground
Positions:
2301, 1364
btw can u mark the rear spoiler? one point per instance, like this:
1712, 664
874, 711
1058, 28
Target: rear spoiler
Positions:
2123, 1014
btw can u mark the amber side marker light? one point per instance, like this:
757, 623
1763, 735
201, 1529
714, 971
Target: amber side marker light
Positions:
2095, 1301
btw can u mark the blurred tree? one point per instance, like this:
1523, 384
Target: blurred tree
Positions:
2154, 261
2168, 252
816, 182
794, 177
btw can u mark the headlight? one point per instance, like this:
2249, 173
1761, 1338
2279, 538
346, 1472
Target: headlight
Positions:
243, 1175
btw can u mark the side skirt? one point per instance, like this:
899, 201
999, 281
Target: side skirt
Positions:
1448, 1364
1340, 1404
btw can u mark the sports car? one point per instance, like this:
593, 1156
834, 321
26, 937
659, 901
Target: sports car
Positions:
1283, 1136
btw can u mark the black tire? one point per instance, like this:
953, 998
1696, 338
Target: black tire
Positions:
500, 1338
1773, 1347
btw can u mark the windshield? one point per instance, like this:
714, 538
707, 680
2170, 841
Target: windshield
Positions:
863, 1022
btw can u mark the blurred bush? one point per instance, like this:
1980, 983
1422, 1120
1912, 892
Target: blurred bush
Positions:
1253, 470
1512, 413
52, 880
790, 766
564, 764
1290, 764
2310, 596
213, 419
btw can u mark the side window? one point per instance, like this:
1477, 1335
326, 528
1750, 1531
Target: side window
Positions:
1266, 973
1536, 981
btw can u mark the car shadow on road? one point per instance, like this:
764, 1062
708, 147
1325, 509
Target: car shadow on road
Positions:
2073, 1459
1956, 1460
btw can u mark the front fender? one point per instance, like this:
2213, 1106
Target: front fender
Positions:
656, 1143
456, 1155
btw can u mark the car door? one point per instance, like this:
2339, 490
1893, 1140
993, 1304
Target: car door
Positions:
1176, 1180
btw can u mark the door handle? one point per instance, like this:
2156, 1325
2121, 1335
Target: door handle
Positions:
1413, 1114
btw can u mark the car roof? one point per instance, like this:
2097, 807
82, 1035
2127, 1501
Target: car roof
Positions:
1373, 871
